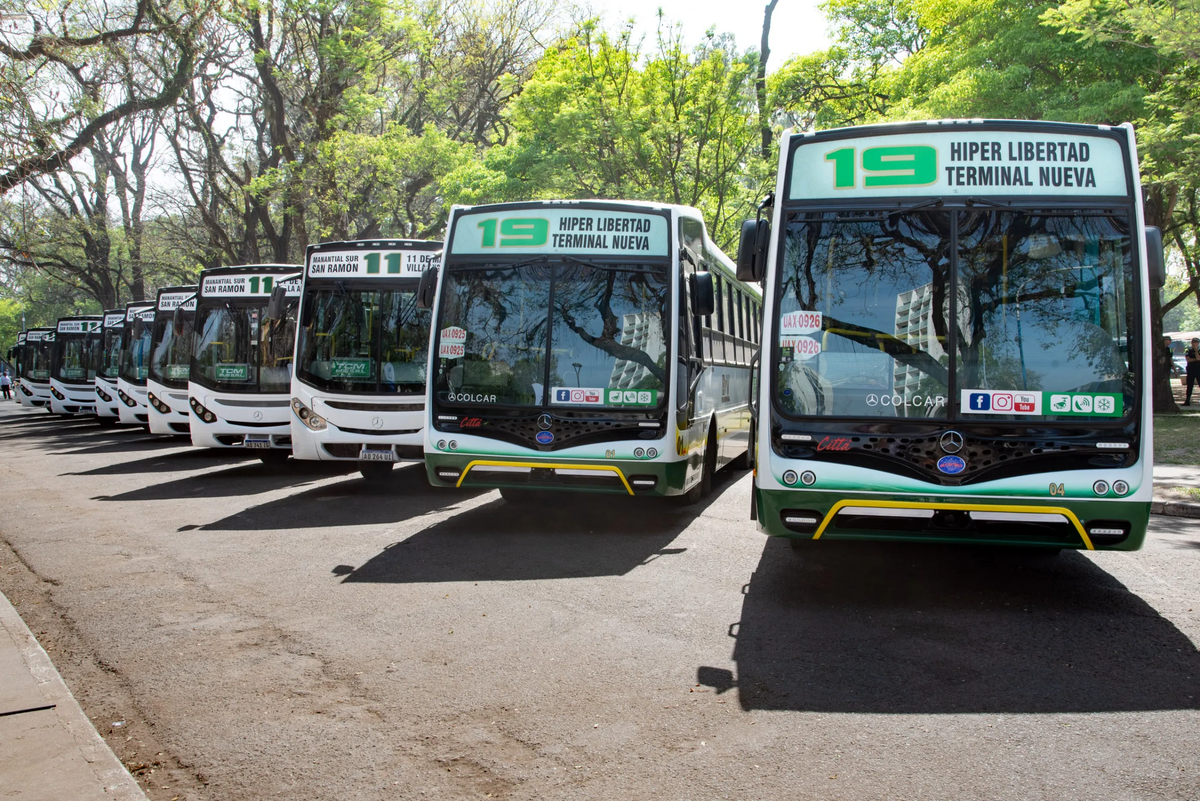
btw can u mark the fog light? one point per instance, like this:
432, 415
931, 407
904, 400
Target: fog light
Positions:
1120, 487
808, 478
790, 477
1100, 487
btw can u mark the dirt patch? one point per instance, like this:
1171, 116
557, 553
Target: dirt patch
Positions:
100, 690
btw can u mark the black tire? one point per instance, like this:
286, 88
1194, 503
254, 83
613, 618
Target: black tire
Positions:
375, 471
274, 458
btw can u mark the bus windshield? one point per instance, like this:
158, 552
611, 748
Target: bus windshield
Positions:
1041, 326
530, 334
134, 354
364, 340
109, 363
37, 360
74, 365
170, 358
236, 350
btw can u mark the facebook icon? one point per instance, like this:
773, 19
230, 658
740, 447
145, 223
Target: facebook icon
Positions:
562, 395
980, 401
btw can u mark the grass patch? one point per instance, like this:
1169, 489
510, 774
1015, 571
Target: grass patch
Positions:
1177, 438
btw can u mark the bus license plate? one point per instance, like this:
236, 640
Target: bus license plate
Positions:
256, 442
377, 456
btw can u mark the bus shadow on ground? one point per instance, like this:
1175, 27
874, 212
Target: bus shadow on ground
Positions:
404, 495
900, 628
173, 462
252, 478
583, 536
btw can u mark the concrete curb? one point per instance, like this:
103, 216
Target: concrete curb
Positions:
1175, 509
110, 774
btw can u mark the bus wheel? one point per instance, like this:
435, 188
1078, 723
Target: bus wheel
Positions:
375, 471
274, 458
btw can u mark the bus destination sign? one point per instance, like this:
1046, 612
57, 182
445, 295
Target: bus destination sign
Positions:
244, 285
144, 313
78, 326
170, 301
114, 319
959, 162
372, 264
594, 232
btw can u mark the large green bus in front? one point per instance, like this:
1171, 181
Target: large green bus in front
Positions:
957, 336
602, 346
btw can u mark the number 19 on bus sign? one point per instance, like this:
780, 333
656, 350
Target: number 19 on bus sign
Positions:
900, 165
516, 232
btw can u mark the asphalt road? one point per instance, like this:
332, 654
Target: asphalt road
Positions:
238, 632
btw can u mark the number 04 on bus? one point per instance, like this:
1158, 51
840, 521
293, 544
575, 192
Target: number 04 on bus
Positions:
956, 340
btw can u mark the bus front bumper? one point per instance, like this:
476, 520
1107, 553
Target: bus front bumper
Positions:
619, 477
1051, 523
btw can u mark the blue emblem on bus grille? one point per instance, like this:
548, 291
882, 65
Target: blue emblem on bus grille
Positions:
951, 464
546, 437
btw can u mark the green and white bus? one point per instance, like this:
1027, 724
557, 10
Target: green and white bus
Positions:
586, 345
135, 363
72, 373
957, 334
107, 357
34, 389
362, 349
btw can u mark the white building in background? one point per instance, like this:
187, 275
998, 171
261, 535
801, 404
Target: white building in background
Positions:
644, 332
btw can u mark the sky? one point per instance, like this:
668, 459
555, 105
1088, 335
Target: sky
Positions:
797, 26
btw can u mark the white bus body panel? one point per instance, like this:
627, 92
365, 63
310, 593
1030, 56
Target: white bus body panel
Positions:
239, 415
323, 445
111, 407
38, 396
177, 399
138, 414
80, 398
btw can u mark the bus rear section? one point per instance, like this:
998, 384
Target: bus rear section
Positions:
34, 390
132, 409
170, 361
570, 352
241, 371
362, 349
958, 338
72, 372
107, 359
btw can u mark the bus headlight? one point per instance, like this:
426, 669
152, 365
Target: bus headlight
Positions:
201, 412
104, 396
125, 399
314, 421
158, 405
57, 394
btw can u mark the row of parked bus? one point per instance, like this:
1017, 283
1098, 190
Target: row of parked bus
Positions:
953, 342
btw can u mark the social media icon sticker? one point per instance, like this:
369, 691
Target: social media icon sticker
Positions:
1060, 403
562, 395
980, 401
1002, 402
577, 396
1081, 404
1026, 404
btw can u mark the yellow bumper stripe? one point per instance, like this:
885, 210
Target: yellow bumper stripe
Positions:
605, 468
958, 507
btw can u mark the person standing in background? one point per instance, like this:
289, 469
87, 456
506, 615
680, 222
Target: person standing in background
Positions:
1192, 357
5, 385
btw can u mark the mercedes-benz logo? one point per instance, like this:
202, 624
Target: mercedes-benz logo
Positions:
951, 442
376, 422
258, 415
545, 421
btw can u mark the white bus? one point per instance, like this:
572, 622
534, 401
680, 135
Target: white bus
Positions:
958, 336
170, 361
589, 345
241, 370
108, 367
35, 368
17, 355
72, 373
358, 392
135, 363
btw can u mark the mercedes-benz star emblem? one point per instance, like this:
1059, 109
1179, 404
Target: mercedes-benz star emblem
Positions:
258, 415
376, 422
545, 421
951, 442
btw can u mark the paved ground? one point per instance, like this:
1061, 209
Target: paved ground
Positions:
301, 634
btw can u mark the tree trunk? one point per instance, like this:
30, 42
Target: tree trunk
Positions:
760, 82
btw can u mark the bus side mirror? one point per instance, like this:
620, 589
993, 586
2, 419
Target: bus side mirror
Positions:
139, 328
177, 319
1156, 267
752, 250
703, 298
427, 289
277, 304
